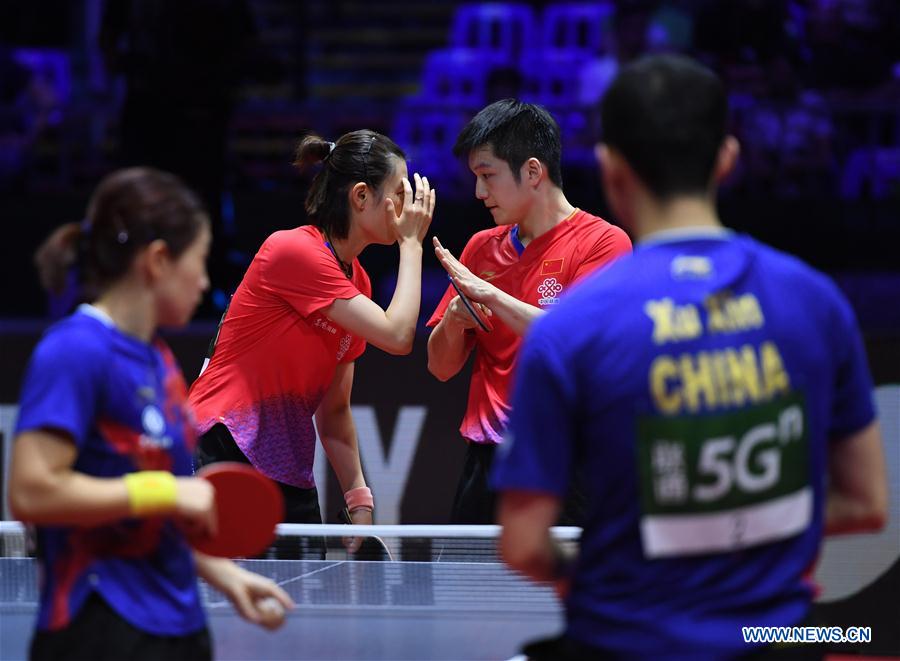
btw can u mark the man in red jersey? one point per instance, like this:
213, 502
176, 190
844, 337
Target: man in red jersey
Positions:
541, 246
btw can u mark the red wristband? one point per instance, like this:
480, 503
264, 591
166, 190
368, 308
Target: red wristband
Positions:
359, 497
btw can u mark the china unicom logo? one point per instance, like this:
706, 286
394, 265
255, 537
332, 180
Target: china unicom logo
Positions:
549, 289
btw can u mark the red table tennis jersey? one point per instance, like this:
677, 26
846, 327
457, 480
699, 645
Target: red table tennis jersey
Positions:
537, 274
276, 353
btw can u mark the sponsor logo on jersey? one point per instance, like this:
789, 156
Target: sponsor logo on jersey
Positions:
322, 322
691, 267
154, 425
549, 289
344, 347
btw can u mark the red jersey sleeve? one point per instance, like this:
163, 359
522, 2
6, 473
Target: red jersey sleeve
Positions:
441, 307
356, 350
364, 284
305, 274
611, 244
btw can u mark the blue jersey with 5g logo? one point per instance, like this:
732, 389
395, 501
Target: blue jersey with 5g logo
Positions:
697, 383
123, 404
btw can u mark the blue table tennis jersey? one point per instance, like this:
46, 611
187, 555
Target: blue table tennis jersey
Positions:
697, 383
122, 402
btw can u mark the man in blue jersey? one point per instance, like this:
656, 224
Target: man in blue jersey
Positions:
715, 389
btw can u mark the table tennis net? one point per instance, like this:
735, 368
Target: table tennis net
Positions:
414, 543
442, 568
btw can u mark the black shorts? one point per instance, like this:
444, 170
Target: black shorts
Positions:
476, 503
300, 505
98, 633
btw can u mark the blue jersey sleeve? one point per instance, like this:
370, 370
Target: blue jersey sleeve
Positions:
536, 454
60, 391
852, 407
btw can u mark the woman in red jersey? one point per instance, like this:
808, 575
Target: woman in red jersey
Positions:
302, 315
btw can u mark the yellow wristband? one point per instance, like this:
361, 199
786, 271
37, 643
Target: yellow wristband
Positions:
151, 492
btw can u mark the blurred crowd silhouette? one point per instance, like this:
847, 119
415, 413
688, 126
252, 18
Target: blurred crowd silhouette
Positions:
219, 91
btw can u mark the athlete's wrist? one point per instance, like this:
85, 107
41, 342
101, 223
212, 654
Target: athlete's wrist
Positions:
410, 244
493, 296
455, 323
151, 492
359, 498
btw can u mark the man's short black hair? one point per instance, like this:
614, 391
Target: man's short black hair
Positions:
666, 115
516, 131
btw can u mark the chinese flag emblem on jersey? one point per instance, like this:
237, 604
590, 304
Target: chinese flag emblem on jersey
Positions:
551, 266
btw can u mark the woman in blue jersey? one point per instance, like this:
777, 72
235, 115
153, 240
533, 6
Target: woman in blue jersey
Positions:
102, 456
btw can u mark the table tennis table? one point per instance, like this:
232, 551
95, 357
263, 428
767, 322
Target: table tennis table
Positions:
350, 609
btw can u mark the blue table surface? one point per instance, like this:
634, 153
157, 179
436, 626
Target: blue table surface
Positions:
350, 610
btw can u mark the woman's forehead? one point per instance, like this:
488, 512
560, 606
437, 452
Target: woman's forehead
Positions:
400, 169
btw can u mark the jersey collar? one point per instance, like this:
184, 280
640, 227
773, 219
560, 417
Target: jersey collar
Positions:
96, 313
516, 242
685, 234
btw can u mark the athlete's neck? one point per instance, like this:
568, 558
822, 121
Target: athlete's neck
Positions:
131, 308
678, 213
546, 213
347, 249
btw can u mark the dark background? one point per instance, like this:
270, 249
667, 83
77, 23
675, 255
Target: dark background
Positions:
220, 91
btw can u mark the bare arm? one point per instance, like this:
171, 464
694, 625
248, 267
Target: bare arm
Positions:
245, 589
46, 491
393, 330
449, 345
857, 499
337, 432
334, 422
516, 314
525, 543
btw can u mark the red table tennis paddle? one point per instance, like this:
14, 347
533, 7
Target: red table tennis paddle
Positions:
248, 505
